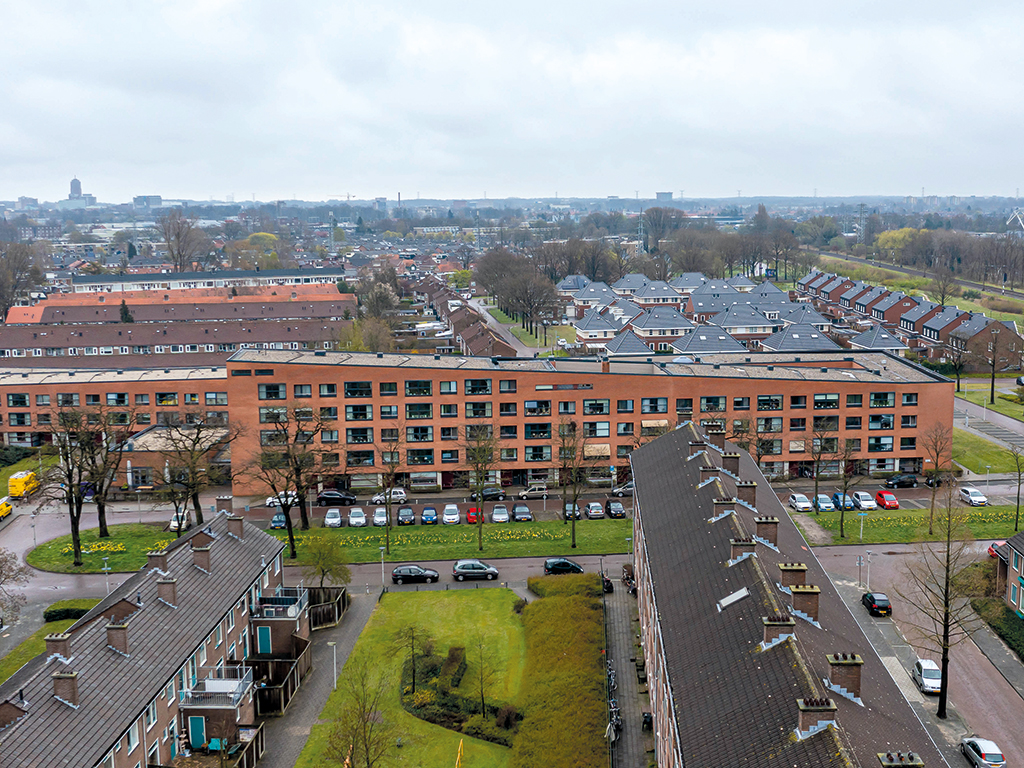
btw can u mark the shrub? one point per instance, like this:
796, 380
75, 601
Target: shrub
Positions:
570, 585
480, 728
972, 294
518, 605
1007, 624
507, 717
12, 454
68, 609
453, 669
1003, 305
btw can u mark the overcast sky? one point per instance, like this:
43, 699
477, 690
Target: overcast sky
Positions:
314, 99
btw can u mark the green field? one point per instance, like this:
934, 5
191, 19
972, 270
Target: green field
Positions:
126, 549
555, 333
459, 617
904, 526
979, 396
974, 453
35, 643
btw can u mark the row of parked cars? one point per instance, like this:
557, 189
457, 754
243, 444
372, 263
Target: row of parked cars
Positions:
413, 573
863, 500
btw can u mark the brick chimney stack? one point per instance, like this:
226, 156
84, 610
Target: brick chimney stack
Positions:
805, 599
59, 644
226, 503
813, 711
717, 438
696, 446
747, 491
900, 760
740, 547
721, 506
844, 671
236, 526
776, 626
792, 574
156, 560
117, 637
706, 473
201, 557
606, 366
768, 528
731, 463
65, 686
167, 590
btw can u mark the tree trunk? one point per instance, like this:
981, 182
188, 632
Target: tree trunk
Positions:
931, 508
387, 526
197, 507
842, 516
292, 553
480, 526
302, 513
101, 515
1016, 518
817, 509
76, 539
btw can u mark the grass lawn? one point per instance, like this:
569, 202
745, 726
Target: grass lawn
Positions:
126, 549
500, 316
458, 617
979, 396
31, 463
894, 281
555, 333
975, 453
30, 647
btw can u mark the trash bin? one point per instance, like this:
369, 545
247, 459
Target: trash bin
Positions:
648, 721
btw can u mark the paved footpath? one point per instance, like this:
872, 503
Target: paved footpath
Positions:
630, 750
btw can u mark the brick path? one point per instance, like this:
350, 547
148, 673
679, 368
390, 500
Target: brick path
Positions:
286, 736
630, 750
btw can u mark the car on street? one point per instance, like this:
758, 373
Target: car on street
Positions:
887, 500
571, 511
278, 521
499, 514
397, 494
972, 496
557, 565
180, 521
429, 516
901, 481
380, 516
799, 502
877, 604
473, 569
595, 511
840, 500
275, 501
823, 503
862, 500
615, 509
450, 515
534, 491
1020, 381
521, 514
927, 676
330, 496
982, 752
406, 516
333, 518
626, 489
993, 546
935, 480
409, 574
356, 518
474, 514
489, 493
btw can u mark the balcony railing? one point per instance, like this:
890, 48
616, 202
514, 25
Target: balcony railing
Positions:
285, 603
222, 687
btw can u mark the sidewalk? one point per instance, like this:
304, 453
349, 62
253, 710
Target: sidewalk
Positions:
1002, 658
502, 330
630, 750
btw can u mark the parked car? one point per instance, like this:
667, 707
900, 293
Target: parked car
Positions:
180, 521
901, 481
887, 500
451, 516
275, 501
397, 494
862, 500
380, 516
521, 514
799, 502
333, 518
489, 493
499, 514
557, 565
841, 500
408, 574
406, 516
278, 521
993, 546
356, 518
473, 569
933, 480
626, 489
877, 604
330, 496
429, 516
474, 514
972, 496
823, 503
595, 511
927, 676
982, 752
571, 511
615, 509
534, 491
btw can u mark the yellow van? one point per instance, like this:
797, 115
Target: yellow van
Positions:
5, 507
22, 484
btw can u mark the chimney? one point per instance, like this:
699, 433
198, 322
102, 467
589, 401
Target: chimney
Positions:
844, 671
226, 504
117, 637
805, 599
58, 644
778, 625
792, 574
167, 591
768, 529
740, 547
731, 463
722, 506
706, 473
235, 526
201, 558
814, 711
900, 760
696, 446
65, 687
156, 560
746, 490
717, 437
605, 366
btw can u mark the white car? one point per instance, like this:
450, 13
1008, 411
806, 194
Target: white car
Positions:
180, 521
499, 514
799, 502
973, 496
927, 676
356, 517
451, 516
982, 752
275, 501
333, 518
380, 516
397, 494
863, 500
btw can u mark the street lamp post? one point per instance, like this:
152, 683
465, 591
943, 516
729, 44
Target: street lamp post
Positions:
138, 498
988, 467
106, 573
382, 567
334, 646
868, 554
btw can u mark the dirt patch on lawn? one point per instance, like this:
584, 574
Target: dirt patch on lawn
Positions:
816, 535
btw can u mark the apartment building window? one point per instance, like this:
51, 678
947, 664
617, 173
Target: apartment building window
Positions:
853, 422
654, 405
825, 444
478, 410
908, 422
623, 406
909, 398
20, 419
419, 456
854, 401
389, 388
596, 429
450, 456
478, 386
449, 433
741, 403
273, 414
358, 412
139, 399
880, 444
567, 408
507, 386
507, 409
117, 418
18, 400
826, 401
881, 421
89, 400
267, 392
359, 458
270, 436
509, 432
797, 446
712, 403
448, 410
769, 402
449, 387
883, 399
216, 398
328, 390
509, 454
567, 429
418, 388
43, 400
357, 435
419, 411
623, 451
140, 418
133, 736
419, 434
534, 408
43, 419
826, 423
769, 424
597, 407
769, 447
389, 435
798, 401
684, 406
908, 443
797, 425
329, 413
358, 389
389, 411
116, 398
538, 453
537, 431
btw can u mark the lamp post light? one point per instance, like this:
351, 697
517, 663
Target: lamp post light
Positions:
138, 498
988, 468
868, 554
382, 567
334, 646
106, 573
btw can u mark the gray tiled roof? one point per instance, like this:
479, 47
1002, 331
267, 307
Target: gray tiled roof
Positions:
740, 315
593, 320
627, 343
114, 689
265, 274
923, 308
944, 318
634, 281
877, 338
661, 317
596, 291
740, 280
832, 284
573, 283
707, 339
687, 281
890, 301
970, 328
802, 313
874, 293
715, 288
657, 289
858, 288
809, 278
799, 338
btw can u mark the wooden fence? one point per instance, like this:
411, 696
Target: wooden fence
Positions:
282, 678
327, 606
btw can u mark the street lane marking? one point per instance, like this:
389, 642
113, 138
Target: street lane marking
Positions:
902, 678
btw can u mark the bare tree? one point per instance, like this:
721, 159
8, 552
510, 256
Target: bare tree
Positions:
849, 476
187, 245
361, 736
326, 561
391, 441
956, 354
418, 642
574, 467
944, 285
937, 444
482, 450
995, 348
12, 574
18, 273
824, 450
1017, 457
484, 673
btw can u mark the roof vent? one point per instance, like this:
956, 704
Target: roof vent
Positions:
748, 359
771, 367
824, 370
716, 366
796, 359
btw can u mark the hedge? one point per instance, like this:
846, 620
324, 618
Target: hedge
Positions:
1003, 620
68, 609
568, 585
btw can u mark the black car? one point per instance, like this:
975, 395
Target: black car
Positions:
407, 574
331, 497
556, 565
406, 516
473, 569
521, 514
933, 480
877, 604
489, 493
615, 509
901, 481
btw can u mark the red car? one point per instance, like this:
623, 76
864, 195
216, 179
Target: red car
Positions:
471, 516
886, 500
992, 548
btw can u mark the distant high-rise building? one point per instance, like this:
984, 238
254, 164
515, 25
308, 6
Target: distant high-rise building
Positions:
663, 197
26, 202
380, 204
76, 189
147, 201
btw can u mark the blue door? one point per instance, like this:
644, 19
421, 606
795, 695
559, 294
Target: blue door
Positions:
196, 731
263, 640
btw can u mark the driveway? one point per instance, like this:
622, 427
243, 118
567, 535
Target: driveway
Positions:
503, 331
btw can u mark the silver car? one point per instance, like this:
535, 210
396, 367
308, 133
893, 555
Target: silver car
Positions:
499, 514
356, 517
982, 752
927, 676
333, 518
380, 516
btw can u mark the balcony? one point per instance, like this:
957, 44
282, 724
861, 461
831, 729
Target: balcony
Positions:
222, 687
285, 603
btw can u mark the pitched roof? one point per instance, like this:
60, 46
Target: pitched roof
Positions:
832, 284
627, 343
802, 313
707, 339
978, 323
874, 293
634, 281
892, 300
858, 288
661, 317
573, 283
739, 315
809, 278
944, 318
799, 338
595, 291
740, 280
923, 308
715, 288
593, 320
768, 289
657, 289
687, 281
877, 338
